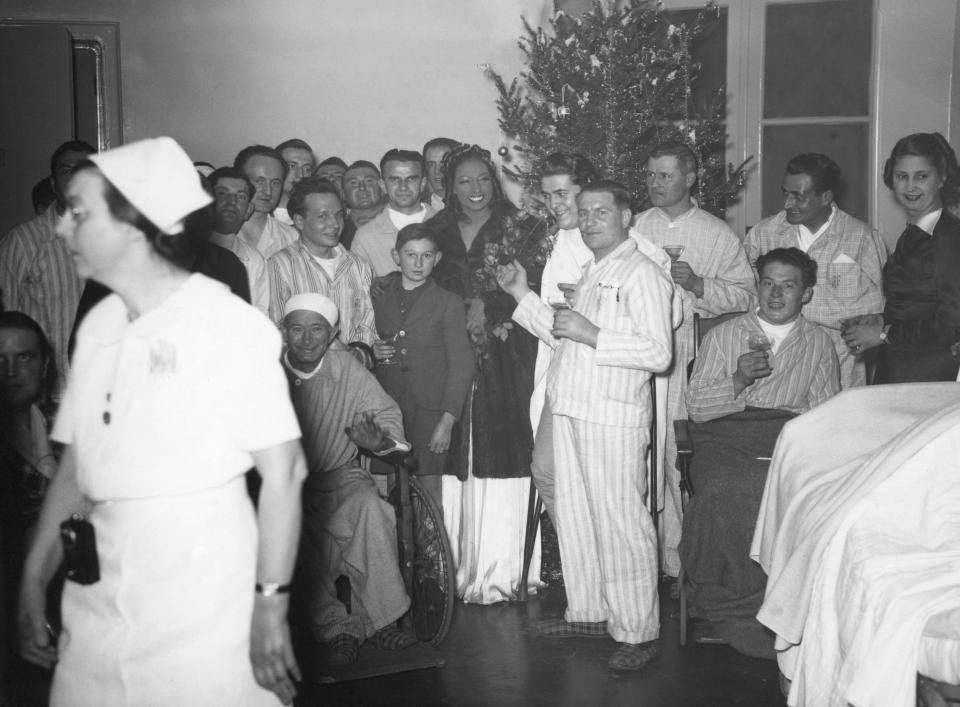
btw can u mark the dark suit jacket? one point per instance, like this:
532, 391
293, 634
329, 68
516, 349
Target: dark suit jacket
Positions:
921, 282
436, 364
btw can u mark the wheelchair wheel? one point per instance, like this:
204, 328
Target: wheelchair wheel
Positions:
434, 578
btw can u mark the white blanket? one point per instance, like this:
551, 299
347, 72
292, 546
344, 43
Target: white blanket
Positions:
857, 560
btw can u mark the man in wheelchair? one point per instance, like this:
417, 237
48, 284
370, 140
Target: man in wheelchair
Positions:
348, 529
752, 375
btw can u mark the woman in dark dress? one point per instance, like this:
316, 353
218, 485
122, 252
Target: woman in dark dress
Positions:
479, 229
921, 280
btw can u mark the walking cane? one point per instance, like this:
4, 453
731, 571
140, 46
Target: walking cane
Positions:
652, 467
534, 508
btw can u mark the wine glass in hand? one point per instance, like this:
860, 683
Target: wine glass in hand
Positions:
674, 251
384, 350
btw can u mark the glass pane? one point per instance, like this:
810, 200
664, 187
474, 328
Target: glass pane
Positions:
846, 144
817, 59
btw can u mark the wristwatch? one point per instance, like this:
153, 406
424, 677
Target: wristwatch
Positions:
268, 589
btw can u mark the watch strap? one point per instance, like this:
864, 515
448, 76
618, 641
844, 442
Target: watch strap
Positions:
268, 589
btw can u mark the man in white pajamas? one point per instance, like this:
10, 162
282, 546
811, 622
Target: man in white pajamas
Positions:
606, 347
712, 276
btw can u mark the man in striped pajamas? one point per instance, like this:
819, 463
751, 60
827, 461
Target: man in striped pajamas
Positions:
752, 375
318, 263
606, 347
771, 358
37, 274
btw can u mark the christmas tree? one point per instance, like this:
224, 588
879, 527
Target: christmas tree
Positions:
610, 85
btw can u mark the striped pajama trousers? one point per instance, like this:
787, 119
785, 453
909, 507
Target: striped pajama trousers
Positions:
608, 545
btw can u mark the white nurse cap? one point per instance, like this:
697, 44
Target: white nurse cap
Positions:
158, 178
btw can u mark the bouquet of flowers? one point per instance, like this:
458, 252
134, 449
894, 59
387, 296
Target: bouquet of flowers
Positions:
526, 239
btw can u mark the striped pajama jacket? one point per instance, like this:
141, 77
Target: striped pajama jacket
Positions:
39, 278
805, 371
600, 402
294, 271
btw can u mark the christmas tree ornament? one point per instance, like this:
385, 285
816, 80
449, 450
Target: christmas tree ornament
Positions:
503, 150
563, 112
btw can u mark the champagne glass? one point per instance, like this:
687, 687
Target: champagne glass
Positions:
674, 251
558, 303
391, 359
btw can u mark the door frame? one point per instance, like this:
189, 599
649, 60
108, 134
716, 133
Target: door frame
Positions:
105, 35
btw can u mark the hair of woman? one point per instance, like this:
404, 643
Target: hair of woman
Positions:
181, 249
935, 148
456, 157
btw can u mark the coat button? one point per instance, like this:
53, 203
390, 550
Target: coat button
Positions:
403, 351
402, 333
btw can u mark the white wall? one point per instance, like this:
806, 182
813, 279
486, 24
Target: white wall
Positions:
356, 77
352, 77
915, 45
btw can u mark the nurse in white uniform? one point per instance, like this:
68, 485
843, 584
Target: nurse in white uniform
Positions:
176, 389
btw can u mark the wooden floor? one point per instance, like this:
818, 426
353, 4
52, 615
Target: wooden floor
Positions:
494, 657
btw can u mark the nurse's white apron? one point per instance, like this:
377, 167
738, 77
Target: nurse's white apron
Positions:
169, 621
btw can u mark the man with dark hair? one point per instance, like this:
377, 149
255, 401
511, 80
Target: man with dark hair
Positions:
42, 195
713, 277
318, 263
849, 254
37, 274
363, 195
800, 376
433, 153
403, 181
752, 375
332, 168
616, 334
562, 177
300, 164
267, 171
232, 205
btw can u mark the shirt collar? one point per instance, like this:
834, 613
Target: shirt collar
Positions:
929, 222
175, 308
810, 236
298, 373
621, 250
682, 217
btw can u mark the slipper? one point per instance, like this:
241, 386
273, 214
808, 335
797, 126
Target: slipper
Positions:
391, 638
343, 649
704, 632
633, 656
558, 628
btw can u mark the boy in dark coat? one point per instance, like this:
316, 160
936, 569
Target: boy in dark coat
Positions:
424, 359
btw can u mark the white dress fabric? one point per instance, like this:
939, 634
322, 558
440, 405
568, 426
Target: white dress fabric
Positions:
861, 542
486, 522
163, 413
